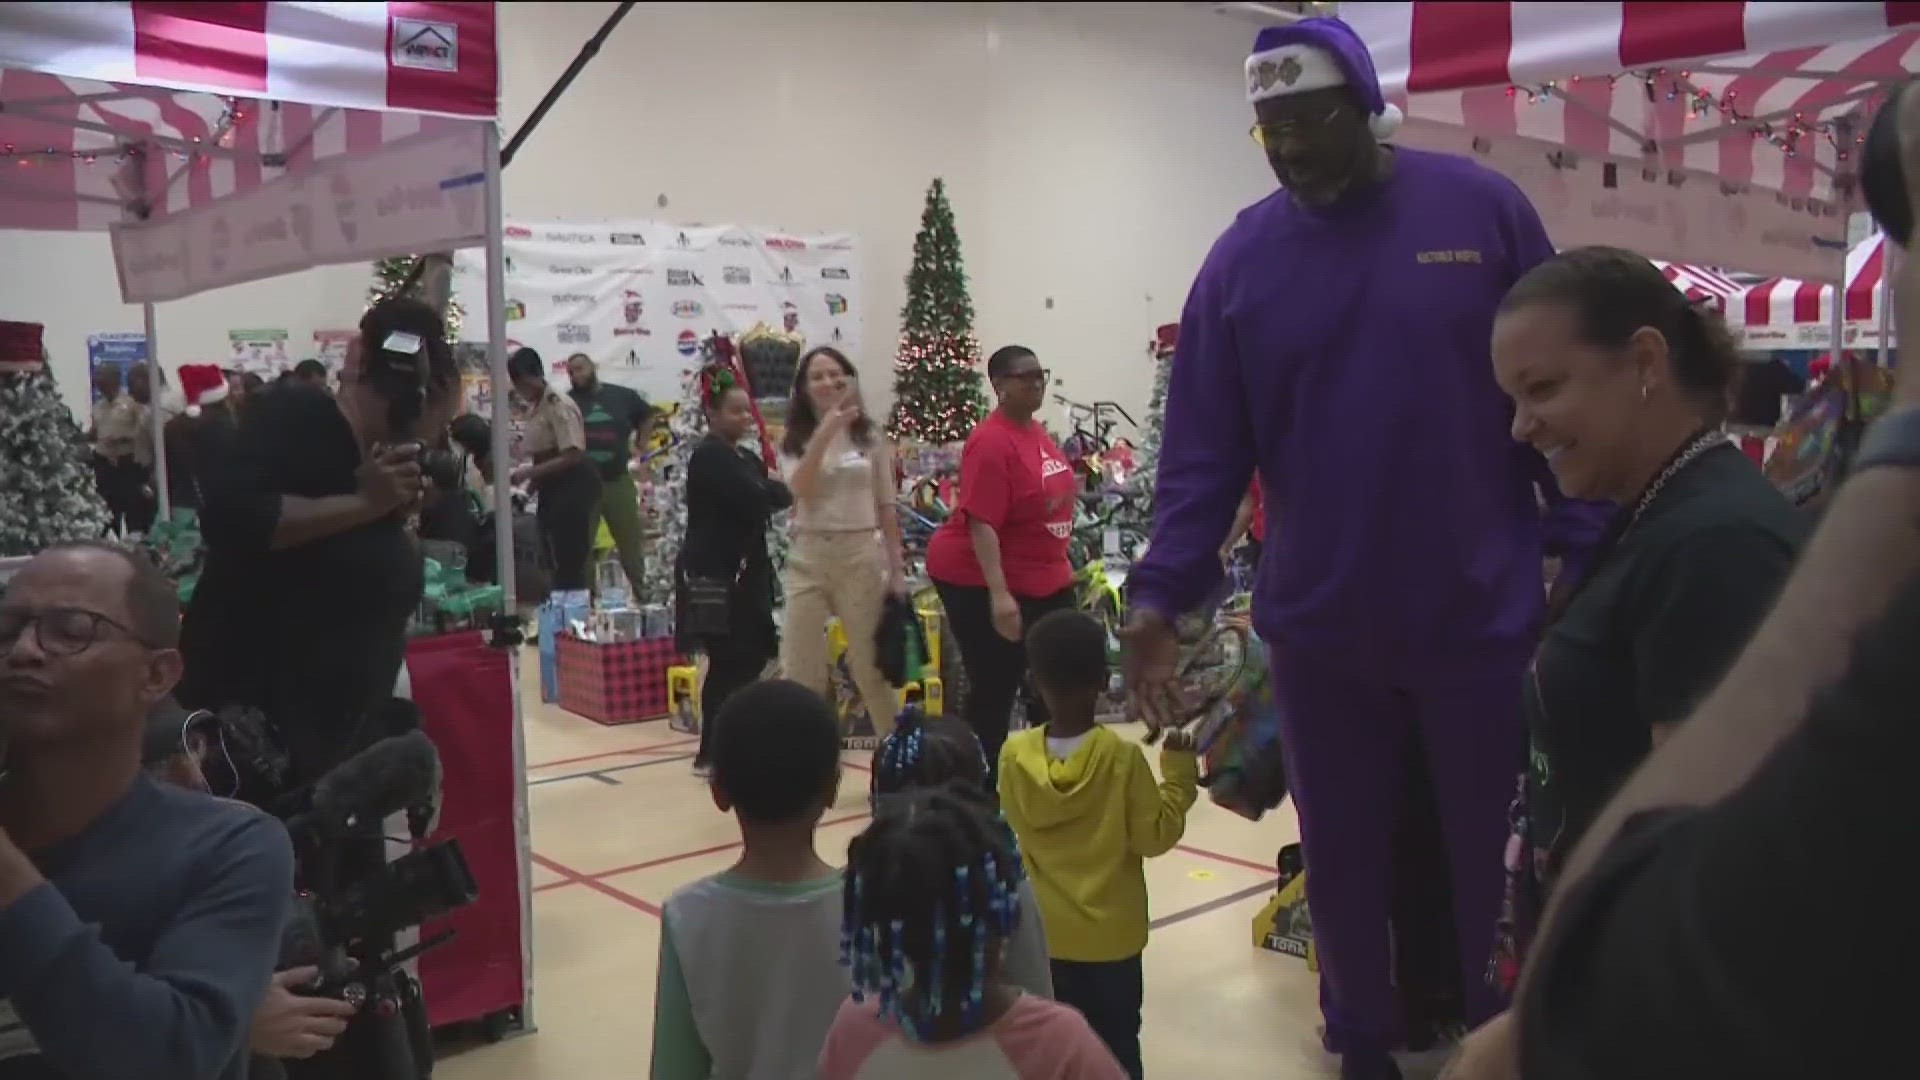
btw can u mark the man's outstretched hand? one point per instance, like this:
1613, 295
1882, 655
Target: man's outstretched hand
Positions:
1151, 665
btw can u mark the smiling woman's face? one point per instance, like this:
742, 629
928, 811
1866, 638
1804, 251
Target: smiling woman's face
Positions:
1576, 404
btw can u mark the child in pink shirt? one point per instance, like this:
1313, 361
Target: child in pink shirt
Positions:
932, 896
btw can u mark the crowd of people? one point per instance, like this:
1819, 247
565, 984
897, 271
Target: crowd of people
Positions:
1636, 778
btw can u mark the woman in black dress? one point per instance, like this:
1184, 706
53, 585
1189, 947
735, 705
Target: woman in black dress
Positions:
730, 498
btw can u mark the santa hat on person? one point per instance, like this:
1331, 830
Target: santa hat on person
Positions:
1316, 54
202, 384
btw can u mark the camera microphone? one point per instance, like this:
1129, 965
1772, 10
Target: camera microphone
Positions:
398, 773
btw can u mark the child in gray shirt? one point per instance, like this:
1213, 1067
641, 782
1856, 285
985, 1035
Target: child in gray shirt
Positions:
750, 977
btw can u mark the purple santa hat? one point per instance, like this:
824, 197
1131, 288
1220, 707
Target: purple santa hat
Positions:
1315, 54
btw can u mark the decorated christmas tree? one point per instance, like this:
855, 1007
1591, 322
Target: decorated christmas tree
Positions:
396, 277
47, 494
937, 395
1147, 460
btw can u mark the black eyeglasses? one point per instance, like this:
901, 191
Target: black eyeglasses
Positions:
62, 631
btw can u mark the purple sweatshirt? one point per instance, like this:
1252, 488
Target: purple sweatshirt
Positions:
1344, 353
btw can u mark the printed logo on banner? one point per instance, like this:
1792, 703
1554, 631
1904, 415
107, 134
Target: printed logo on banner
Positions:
786, 275
572, 298
570, 271
834, 273
426, 46
519, 232
628, 239
687, 343
687, 309
735, 240
631, 310
516, 311
506, 263
564, 237
736, 275
836, 304
833, 245
573, 334
790, 316
786, 243
685, 279
740, 307
683, 241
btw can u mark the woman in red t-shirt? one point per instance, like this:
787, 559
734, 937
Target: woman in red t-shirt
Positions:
1000, 562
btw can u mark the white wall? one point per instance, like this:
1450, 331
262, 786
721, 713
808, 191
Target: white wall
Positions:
1092, 153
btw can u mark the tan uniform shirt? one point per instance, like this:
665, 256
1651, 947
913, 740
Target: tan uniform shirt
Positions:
554, 426
854, 486
116, 426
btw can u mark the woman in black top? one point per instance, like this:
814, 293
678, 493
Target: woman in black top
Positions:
1622, 384
312, 573
730, 498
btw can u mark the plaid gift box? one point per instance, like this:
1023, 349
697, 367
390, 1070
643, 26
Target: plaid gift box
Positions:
615, 682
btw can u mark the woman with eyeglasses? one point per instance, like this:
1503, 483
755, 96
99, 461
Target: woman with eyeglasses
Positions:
1000, 561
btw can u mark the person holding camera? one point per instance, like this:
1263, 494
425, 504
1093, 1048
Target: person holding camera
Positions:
137, 919
312, 575
561, 474
288, 1024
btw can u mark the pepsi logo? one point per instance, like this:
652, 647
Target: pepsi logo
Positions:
688, 343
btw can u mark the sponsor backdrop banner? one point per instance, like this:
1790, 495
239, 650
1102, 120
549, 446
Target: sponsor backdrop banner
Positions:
639, 296
262, 352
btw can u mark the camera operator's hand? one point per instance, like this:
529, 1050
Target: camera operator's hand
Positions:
390, 478
291, 1025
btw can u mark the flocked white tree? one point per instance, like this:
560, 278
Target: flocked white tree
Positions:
47, 493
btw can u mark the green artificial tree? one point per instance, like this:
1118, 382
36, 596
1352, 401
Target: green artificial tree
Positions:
1146, 457
47, 494
937, 386
395, 277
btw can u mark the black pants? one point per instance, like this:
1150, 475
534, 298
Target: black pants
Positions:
567, 504
728, 669
996, 667
1108, 995
123, 488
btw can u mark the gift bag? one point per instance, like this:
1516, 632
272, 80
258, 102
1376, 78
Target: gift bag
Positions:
1238, 739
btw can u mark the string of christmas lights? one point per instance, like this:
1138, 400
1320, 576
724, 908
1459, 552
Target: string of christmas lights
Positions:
938, 395
231, 117
1787, 135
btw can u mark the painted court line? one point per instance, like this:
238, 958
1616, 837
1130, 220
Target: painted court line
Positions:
601, 773
1198, 910
1230, 860
650, 748
574, 877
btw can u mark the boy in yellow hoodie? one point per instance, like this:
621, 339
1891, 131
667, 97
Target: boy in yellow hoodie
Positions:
1087, 812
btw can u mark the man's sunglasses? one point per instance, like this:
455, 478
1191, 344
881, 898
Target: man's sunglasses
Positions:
63, 631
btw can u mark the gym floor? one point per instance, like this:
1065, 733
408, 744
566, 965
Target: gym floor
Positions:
619, 822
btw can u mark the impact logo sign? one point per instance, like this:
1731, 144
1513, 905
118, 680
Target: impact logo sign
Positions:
425, 46
687, 343
573, 334
836, 304
834, 273
685, 279
736, 275
628, 239
687, 309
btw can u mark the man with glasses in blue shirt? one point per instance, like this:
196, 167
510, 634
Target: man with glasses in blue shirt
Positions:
139, 922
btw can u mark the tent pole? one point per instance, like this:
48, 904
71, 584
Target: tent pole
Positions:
155, 383
503, 538
1889, 262
587, 52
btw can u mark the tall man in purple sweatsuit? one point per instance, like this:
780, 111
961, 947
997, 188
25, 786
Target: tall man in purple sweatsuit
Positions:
1337, 339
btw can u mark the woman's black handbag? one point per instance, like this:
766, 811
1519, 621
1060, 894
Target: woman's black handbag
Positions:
704, 600
897, 640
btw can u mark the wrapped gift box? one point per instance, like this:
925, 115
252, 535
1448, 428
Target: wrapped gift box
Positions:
615, 682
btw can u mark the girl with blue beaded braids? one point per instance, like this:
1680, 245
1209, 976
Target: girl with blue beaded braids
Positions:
932, 899
924, 752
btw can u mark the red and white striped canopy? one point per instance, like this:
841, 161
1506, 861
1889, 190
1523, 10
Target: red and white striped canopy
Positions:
1772, 95
1701, 284
116, 112
1781, 313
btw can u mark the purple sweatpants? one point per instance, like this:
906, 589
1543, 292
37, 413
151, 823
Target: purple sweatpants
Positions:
1348, 741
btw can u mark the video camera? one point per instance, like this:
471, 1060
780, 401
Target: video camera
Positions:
354, 901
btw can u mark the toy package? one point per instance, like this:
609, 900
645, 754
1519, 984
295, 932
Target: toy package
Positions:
1285, 924
1238, 737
